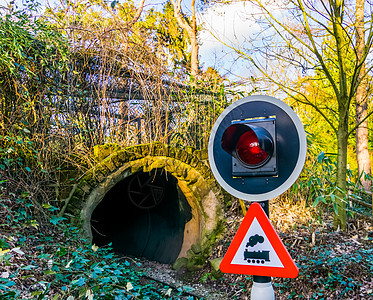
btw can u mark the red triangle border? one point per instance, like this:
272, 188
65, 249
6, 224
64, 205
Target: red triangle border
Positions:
290, 270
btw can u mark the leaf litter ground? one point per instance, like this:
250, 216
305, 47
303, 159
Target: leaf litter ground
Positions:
333, 264
46, 262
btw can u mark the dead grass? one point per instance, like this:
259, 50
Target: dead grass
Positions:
286, 214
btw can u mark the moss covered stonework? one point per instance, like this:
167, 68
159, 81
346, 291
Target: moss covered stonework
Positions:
194, 177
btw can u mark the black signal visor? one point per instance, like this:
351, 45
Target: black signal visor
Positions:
251, 143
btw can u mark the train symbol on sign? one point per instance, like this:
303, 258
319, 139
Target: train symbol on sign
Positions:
260, 256
256, 256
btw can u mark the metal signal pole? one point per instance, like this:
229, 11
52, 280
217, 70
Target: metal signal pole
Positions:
262, 288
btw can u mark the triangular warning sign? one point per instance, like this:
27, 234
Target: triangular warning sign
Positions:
256, 249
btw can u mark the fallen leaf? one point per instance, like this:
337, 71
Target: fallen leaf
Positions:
50, 263
313, 238
89, 294
129, 286
168, 293
68, 264
18, 251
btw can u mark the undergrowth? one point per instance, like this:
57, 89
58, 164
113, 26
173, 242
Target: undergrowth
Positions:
49, 260
332, 265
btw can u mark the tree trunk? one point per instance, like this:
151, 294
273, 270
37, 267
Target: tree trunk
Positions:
194, 56
340, 217
124, 117
362, 153
191, 30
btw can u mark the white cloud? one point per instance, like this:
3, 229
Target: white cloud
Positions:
235, 24
230, 24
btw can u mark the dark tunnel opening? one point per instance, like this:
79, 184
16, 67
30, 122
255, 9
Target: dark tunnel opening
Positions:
144, 215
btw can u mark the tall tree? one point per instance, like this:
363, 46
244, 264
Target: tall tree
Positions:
170, 40
295, 38
190, 27
362, 153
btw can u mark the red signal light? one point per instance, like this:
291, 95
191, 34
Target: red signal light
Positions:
249, 150
252, 145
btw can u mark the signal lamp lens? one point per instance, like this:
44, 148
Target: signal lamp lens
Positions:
248, 149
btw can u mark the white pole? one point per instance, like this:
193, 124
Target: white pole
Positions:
262, 291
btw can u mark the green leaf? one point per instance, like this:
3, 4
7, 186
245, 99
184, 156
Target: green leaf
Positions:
55, 219
49, 207
321, 156
49, 272
317, 200
4, 244
105, 280
10, 283
335, 208
28, 268
79, 282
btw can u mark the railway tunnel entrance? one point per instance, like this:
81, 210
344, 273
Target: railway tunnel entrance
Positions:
152, 200
143, 215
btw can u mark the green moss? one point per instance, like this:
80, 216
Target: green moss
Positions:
216, 233
133, 153
119, 158
102, 168
196, 248
79, 192
194, 162
196, 263
205, 172
73, 208
98, 176
159, 150
183, 156
202, 154
215, 267
190, 149
108, 162
180, 263
178, 152
188, 158
199, 166
100, 152
86, 188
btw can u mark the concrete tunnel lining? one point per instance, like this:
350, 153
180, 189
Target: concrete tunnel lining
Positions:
193, 228
143, 215
200, 192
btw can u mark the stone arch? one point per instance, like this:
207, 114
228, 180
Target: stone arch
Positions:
194, 179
